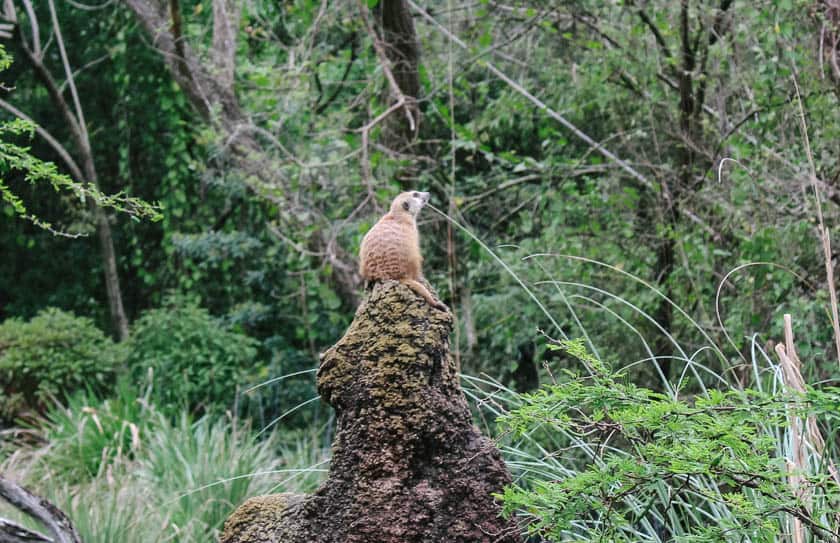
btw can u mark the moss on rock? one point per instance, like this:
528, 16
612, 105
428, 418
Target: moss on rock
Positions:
408, 465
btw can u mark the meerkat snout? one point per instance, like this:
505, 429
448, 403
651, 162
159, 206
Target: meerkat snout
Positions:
410, 202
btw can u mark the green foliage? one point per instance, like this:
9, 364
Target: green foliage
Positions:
203, 470
656, 466
15, 158
50, 357
189, 358
90, 436
173, 480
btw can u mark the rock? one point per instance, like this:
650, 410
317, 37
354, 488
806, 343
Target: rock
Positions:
408, 465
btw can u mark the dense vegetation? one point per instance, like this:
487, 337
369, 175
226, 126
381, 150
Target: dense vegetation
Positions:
184, 185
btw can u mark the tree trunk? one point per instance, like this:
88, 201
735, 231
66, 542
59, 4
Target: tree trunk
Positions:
673, 192
119, 320
76, 125
396, 27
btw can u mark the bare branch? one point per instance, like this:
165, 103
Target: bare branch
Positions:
86, 7
69, 72
399, 96
12, 532
177, 55
40, 509
225, 28
33, 24
660, 40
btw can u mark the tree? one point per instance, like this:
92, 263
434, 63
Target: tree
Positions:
74, 120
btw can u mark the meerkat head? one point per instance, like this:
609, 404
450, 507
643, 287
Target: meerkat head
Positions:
409, 202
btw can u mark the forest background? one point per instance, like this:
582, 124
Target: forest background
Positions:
657, 178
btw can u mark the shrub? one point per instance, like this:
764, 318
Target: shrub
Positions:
51, 356
192, 360
639, 465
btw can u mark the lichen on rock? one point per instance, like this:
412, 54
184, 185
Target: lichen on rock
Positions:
408, 465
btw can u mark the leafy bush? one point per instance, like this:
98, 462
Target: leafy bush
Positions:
50, 357
192, 360
639, 465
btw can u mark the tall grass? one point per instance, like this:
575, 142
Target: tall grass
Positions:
547, 454
125, 473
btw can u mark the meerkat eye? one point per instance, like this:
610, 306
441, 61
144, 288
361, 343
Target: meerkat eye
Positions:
406, 206
415, 195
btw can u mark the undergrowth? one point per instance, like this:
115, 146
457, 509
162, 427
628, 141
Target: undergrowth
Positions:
126, 473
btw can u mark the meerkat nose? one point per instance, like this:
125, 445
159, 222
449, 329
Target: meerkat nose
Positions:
424, 196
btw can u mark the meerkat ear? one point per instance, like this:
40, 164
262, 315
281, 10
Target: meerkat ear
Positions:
406, 205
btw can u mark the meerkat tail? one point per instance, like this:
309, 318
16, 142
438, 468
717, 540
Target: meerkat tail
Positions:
418, 287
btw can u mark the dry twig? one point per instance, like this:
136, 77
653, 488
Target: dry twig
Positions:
40, 509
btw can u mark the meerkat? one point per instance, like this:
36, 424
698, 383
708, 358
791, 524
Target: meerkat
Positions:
391, 249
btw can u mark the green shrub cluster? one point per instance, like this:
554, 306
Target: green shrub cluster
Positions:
629, 464
189, 358
49, 357
183, 355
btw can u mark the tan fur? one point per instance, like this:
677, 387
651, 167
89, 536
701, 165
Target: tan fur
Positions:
391, 249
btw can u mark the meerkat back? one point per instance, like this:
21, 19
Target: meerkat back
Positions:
391, 249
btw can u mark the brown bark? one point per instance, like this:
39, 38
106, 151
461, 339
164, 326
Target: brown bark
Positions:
402, 49
210, 93
408, 464
395, 42
672, 192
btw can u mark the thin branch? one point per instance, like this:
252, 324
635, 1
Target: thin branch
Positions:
540, 104
90, 64
86, 7
46, 78
12, 532
657, 35
69, 72
353, 56
33, 24
75, 171
250, 127
365, 130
